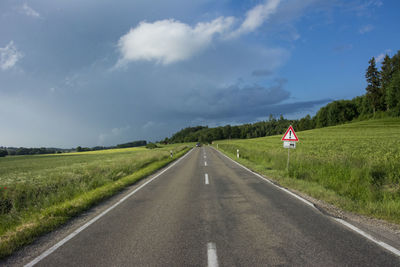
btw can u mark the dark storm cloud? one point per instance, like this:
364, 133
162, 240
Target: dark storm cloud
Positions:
240, 104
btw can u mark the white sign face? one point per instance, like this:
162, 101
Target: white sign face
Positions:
287, 144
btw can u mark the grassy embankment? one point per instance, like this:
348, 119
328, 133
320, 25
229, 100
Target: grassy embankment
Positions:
355, 166
39, 193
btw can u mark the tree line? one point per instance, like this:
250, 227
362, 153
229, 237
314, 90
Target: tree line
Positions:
382, 98
124, 145
12, 151
4, 151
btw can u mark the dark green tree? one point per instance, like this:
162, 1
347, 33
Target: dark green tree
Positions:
322, 117
374, 89
227, 131
235, 133
305, 123
396, 62
393, 93
386, 76
3, 153
217, 134
271, 117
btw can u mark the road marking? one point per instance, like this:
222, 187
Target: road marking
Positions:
212, 255
369, 237
205, 156
205, 163
352, 227
206, 180
83, 227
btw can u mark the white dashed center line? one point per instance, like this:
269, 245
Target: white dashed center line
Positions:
212, 255
206, 180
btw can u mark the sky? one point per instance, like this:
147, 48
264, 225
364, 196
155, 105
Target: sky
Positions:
99, 72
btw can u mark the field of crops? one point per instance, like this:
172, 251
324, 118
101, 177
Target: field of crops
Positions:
39, 192
355, 166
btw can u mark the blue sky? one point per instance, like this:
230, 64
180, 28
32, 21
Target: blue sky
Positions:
106, 72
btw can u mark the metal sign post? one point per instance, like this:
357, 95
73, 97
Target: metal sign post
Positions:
289, 141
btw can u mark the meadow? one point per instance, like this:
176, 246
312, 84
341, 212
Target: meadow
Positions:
40, 192
355, 166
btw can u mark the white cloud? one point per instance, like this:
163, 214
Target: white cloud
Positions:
381, 56
168, 41
370, 4
366, 28
256, 16
376, 3
9, 56
27, 10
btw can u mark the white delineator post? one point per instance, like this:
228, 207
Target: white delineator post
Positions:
237, 153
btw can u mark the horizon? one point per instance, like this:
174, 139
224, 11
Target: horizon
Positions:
112, 146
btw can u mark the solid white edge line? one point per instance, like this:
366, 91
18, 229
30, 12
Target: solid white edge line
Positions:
265, 179
352, 227
83, 227
369, 237
212, 258
206, 178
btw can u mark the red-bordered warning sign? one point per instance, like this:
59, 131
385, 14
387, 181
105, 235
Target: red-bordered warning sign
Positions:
290, 135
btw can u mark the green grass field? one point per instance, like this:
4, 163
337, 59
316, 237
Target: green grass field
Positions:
355, 166
40, 192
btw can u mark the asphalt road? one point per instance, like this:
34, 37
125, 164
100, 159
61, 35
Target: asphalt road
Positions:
229, 217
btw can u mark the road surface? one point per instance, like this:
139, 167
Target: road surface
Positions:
207, 210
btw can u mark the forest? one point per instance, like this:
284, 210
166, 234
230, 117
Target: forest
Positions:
381, 99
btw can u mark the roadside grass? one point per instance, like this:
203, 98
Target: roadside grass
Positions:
42, 192
354, 166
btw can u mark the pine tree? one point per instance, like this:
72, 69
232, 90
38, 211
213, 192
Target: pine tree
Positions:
374, 90
393, 92
386, 74
396, 62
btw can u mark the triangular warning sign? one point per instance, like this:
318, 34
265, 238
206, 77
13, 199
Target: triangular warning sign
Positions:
290, 135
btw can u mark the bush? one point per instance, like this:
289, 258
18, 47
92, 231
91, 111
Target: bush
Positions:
378, 175
151, 146
5, 205
3, 153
